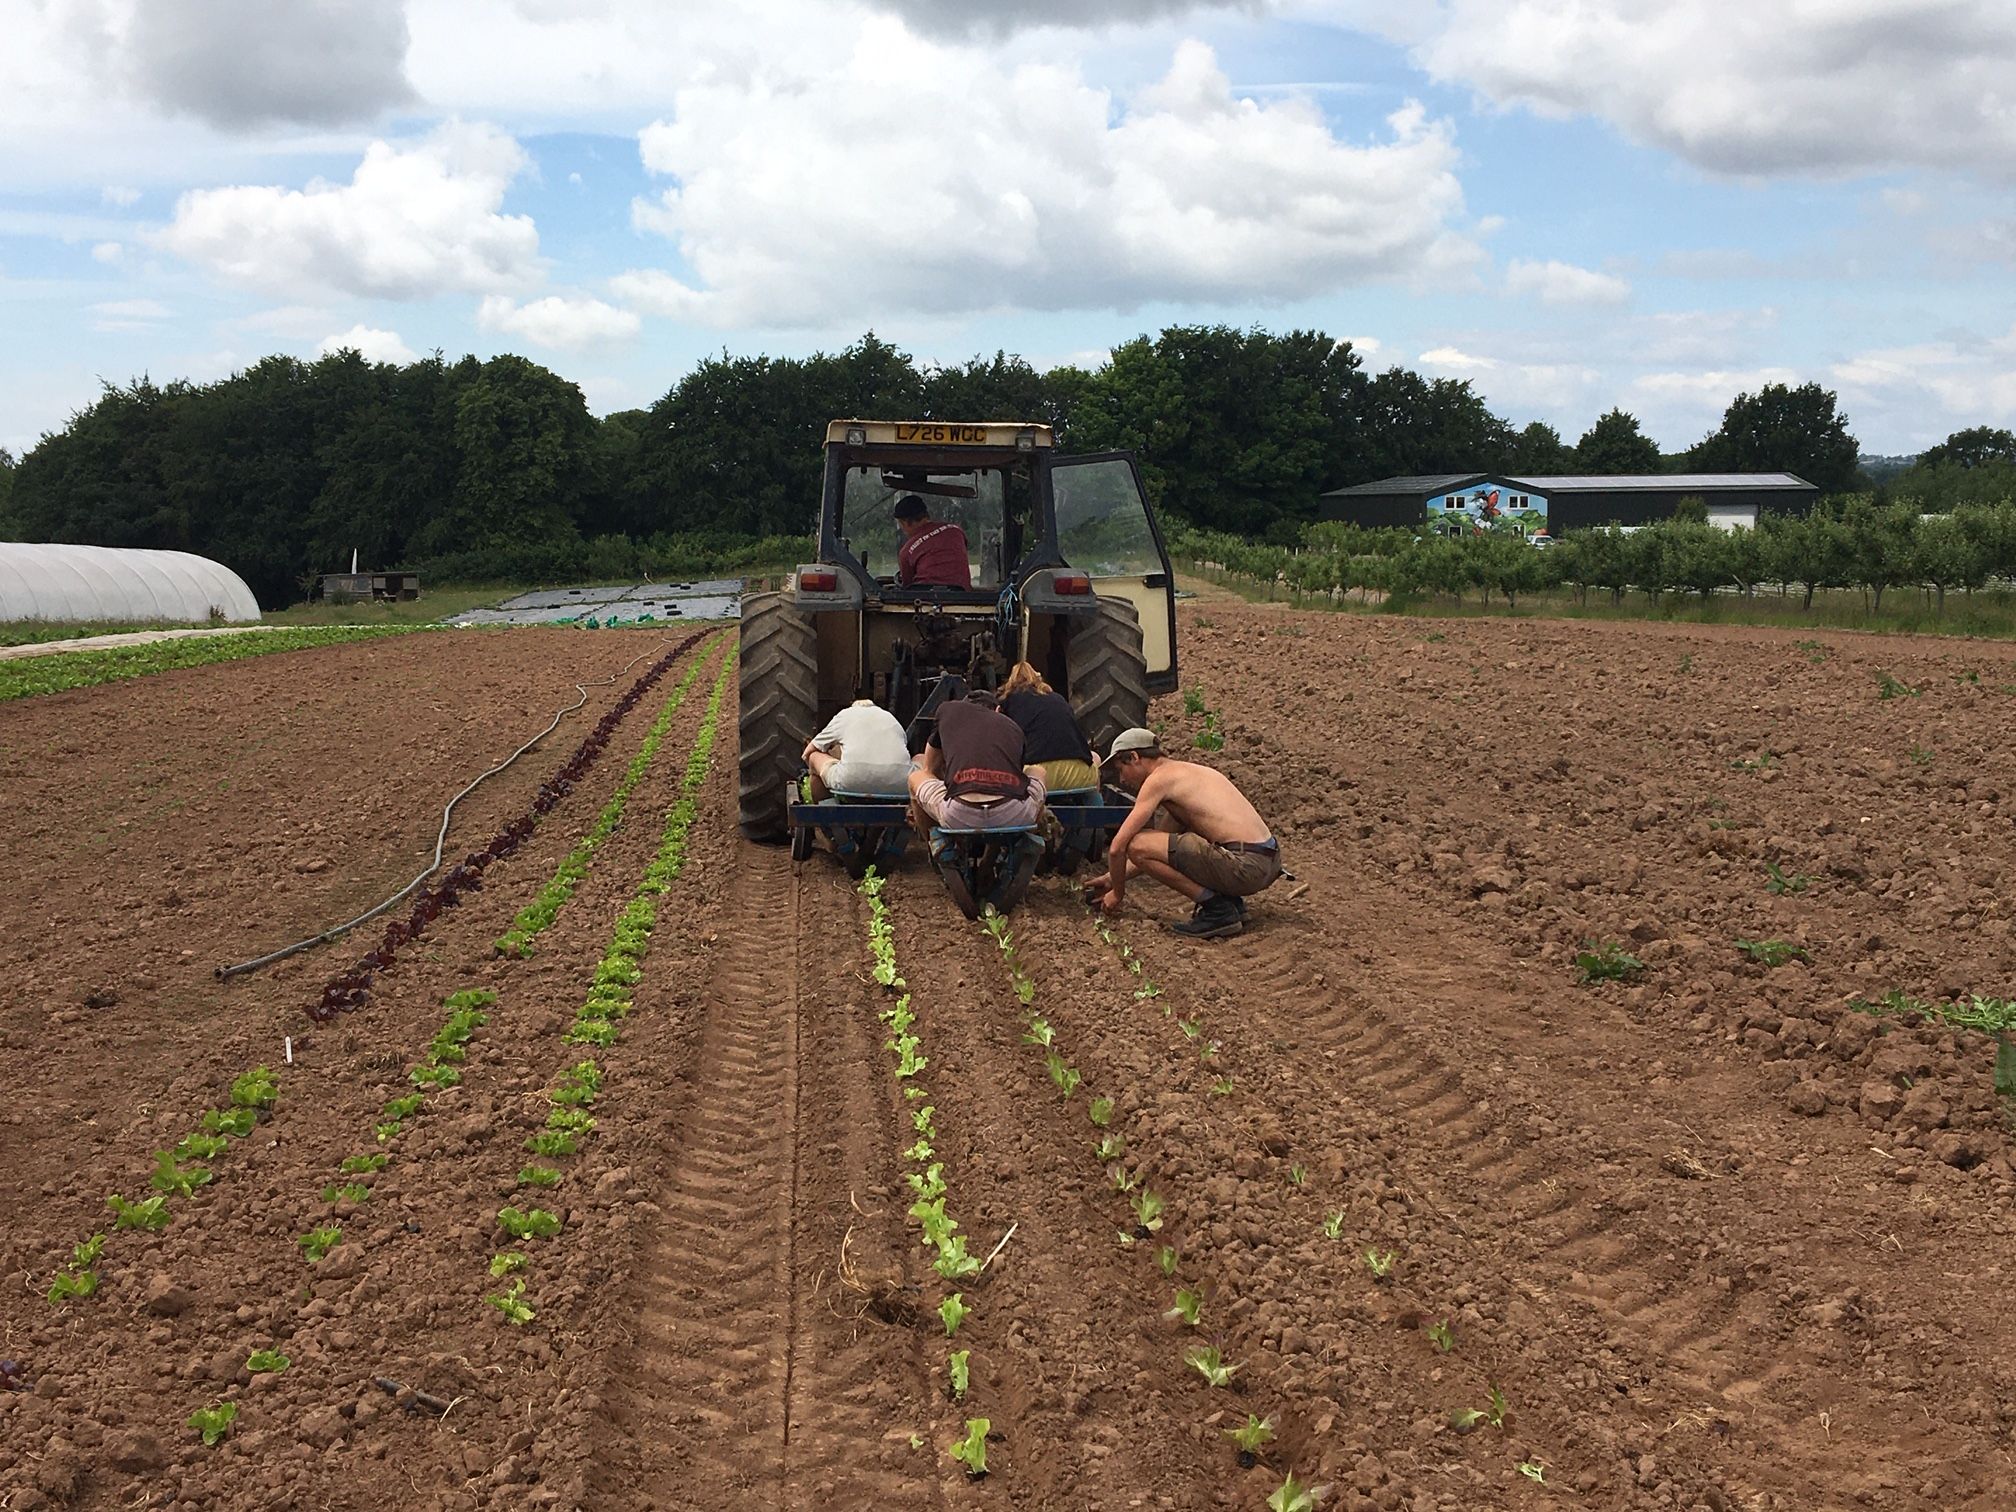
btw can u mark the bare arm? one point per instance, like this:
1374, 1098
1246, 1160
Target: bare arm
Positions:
1146, 802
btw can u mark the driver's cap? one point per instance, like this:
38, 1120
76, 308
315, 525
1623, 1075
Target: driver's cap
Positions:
1136, 739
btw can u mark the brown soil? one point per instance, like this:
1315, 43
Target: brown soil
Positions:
1717, 1240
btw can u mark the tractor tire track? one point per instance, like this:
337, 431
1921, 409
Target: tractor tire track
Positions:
1713, 1337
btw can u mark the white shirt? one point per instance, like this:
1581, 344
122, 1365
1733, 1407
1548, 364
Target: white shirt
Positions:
868, 736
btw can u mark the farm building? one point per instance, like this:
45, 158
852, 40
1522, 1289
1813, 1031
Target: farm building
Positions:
364, 587
118, 584
1566, 502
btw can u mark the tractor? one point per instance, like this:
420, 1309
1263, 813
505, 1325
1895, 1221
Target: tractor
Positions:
1069, 572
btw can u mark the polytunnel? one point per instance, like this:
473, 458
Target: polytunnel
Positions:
118, 584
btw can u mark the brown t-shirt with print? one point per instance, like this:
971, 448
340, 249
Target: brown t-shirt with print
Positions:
983, 752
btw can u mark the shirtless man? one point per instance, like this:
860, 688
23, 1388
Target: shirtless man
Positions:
1218, 854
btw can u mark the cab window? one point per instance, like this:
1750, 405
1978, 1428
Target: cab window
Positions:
1102, 523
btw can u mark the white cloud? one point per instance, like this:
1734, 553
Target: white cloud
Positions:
414, 221
289, 322
1923, 392
1367, 347
245, 63
1748, 87
1560, 283
999, 17
566, 321
1522, 389
107, 252
371, 344
120, 195
129, 315
1029, 190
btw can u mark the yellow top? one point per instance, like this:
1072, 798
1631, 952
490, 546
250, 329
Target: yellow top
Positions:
939, 432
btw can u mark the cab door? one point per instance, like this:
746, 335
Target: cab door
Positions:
1105, 529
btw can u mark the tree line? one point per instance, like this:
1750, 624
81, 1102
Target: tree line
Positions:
496, 470
1854, 542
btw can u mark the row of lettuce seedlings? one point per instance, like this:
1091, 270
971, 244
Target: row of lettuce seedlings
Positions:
952, 1260
349, 990
179, 1172
256, 1092
570, 1120
537, 915
1149, 1208
1378, 1263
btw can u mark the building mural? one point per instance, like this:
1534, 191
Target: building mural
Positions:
1491, 505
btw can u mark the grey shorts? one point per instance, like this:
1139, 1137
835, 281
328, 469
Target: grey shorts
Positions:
1236, 874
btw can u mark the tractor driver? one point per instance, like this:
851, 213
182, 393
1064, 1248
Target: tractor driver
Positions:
1219, 854
933, 553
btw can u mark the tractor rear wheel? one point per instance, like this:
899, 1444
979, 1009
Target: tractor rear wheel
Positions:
780, 709
1108, 672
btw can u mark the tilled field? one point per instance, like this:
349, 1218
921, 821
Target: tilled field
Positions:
1700, 1237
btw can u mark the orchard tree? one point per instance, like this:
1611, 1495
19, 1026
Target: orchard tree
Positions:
1615, 444
8, 532
1781, 429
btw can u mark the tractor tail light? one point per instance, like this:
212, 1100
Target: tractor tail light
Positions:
1071, 582
819, 581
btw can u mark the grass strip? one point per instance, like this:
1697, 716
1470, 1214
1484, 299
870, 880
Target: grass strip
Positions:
62, 671
544, 909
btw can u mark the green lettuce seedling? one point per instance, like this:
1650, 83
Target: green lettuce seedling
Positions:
961, 1376
538, 1176
1101, 1112
405, 1107
1147, 1211
358, 1165
952, 1312
536, 1224
1040, 1033
552, 1142
237, 1123
1494, 1413
953, 1262
1208, 1362
1333, 1225
349, 1191
971, 1451
317, 1242
1255, 1434
1165, 1259
1295, 1496
1440, 1335
257, 1088
202, 1147
1533, 1470
266, 1362
1189, 1307
505, 1262
149, 1213
1380, 1265
513, 1305
173, 1180
1110, 1147
213, 1422
930, 1185
72, 1283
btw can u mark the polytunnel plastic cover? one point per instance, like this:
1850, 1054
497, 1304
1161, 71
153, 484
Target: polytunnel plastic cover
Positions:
118, 584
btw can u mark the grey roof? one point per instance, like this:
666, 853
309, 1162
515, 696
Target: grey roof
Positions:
1422, 485
1626, 482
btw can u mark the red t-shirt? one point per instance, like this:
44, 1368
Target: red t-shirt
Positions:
935, 557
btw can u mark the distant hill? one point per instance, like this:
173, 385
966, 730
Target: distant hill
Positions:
1883, 469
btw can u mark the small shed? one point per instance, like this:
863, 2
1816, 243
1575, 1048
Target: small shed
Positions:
366, 587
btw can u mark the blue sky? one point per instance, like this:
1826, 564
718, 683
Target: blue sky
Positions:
1572, 203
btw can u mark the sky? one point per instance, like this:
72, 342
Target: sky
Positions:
1575, 204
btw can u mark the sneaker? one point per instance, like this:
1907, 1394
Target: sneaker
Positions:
1219, 919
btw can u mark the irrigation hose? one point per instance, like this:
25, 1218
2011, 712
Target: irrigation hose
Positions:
336, 931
